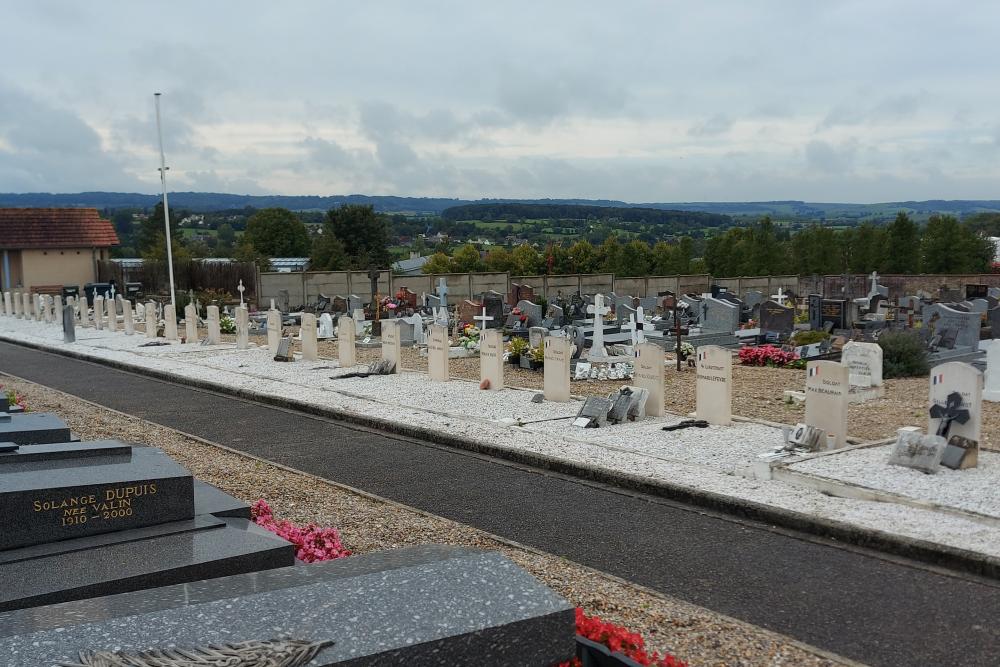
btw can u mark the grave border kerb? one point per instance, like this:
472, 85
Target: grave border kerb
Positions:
876, 540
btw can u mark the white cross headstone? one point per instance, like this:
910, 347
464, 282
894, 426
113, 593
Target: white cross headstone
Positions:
240, 288
112, 292
442, 292
482, 319
635, 325
598, 310
873, 290
780, 297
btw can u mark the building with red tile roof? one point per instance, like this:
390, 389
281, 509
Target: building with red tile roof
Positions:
44, 247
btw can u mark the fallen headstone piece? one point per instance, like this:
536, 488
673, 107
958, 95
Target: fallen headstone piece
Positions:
687, 423
383, 367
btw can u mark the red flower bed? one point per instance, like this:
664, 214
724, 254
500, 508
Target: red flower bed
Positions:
766, 355
619, 640
312, 543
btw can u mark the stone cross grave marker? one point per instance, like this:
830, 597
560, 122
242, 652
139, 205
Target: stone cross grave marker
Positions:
827, 398
240, 288
128, 319
190, 323
915, 450
79, 312
69, 324
491, 359
437, 353
484, 321
714, 385
151, 319
214, 326
170, 322
442, 292
780, 297
649, 376
273, 330
864, 363
309, 334
346, 332
635, 325
556, 371
955, 412
242, 328
99, 312
598, 310
391, 345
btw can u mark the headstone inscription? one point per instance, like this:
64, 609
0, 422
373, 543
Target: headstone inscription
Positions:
310, 343
346, 333
649, 374
242, 328
714, 389
827, 398
491, 359
214, 325
273, 330
776, 318
955, 412
190, 323
957, 328
391, 345
437, 353
556, 371
864, 362
69, 324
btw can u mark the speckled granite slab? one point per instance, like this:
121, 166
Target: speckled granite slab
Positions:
430, 605
33, 428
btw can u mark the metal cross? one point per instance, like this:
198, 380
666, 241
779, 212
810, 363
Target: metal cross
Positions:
951, 411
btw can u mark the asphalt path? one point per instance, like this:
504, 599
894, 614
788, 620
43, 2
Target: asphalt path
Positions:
873, 609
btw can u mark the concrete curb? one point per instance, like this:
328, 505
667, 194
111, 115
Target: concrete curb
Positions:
919, 550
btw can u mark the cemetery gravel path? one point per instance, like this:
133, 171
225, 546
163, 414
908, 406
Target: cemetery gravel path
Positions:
874, 609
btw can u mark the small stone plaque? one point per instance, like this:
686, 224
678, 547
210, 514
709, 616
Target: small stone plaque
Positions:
918, 451
594, 411
960, 453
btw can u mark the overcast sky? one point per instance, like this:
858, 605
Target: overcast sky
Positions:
642, 101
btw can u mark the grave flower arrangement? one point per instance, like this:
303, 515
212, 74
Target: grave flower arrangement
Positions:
516, 348
537, 356
687, 349
768, 355
312, 543
521, 316
618, 640
469, 337
14, 398
227, 324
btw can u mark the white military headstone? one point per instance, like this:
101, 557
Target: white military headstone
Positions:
649, 375
190, 323
558, 352
273, 329
170, 322
27, 305
955, 409
491, 358
17, 305
151, 320
391, 349
437, 353
827, 398
714, 385
214, 326
127, 318
309, 332
8, 308
346, 332
109, 305
99, 312
992, 390
242, 328
57, 309
864, 363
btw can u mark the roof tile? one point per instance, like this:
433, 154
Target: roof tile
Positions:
30, 228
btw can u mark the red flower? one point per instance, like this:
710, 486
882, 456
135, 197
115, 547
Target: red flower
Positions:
619, 640
312, 543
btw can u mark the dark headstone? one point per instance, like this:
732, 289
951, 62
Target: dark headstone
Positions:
593, 413
69, 324
340, 305
468, 310
284, 349
417, 606
974, 291
493, 303
407, 298
776, 318
815, 311
835, 311
34, 428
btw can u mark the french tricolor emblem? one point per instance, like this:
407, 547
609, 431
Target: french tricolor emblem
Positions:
937, 379
814, 372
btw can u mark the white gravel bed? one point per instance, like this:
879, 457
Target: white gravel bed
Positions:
251, 370
974, 490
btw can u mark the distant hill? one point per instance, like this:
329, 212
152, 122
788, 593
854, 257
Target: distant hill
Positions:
215, 201
678, 220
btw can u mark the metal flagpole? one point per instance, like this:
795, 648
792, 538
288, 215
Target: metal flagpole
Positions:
166, 208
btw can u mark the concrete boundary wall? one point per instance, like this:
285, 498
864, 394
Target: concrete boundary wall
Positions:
305, 288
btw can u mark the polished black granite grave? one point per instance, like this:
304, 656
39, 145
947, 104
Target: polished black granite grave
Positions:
63, 491
430, 605
79, 520
33, 428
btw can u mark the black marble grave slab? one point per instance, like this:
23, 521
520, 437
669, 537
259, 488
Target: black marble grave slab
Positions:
77, 495
209, 548
417, 606
33, 428
65, 450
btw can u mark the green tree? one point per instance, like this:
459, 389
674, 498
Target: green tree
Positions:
499, 259
226, 236
527, 261
902, 241
610, 256
277, 232
939, 245
636, 259
466, 260
865, 248
815, 250
438, 263
364, 234
149, 238
328, 253
583, 257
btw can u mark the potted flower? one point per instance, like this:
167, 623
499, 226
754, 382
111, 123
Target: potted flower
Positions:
687, 349
536, 358
517, 348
